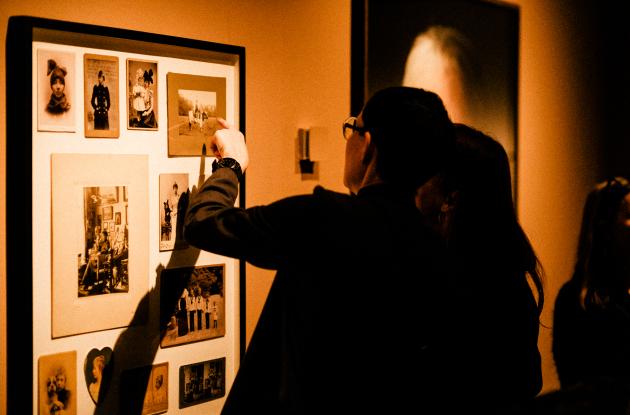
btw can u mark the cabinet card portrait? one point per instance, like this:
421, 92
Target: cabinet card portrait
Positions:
148, 381
100, 96
201, 382
99, 269
199, 311
57, 384
194, 104
56, 77
172, 185
142, 95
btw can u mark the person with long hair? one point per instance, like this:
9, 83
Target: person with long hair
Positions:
489, 351
591, 332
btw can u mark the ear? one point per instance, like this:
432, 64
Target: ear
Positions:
368, 148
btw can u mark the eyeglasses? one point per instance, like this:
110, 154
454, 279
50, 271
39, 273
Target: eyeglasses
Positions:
350, 126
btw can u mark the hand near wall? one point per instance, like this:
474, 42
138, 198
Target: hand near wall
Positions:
230, 143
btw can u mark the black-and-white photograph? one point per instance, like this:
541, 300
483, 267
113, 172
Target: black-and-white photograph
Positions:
201, 382
55, 91
101, 96
93, 369
199, 312
57, 383
194, 104
172, 185
104, 261
148, 381
142, 94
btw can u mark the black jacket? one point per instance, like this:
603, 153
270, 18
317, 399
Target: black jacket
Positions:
350, 318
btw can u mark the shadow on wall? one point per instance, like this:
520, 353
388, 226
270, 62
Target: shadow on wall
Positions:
125, 380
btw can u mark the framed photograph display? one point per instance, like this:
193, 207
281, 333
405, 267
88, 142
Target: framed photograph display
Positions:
90, 260
440, 46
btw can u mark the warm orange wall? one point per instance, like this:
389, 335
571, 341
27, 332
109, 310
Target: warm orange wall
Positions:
298, 63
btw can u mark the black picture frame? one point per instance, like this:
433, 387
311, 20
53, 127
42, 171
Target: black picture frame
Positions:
22, 32
379, 56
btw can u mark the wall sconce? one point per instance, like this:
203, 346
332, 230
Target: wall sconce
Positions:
306, 164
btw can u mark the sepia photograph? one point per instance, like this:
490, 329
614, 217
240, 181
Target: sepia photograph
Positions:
57, 384
194, 104
142, 94
150, 382
93, 368
201, 382
104, 261
100, 74
172, 185
199, 312
55, 91
99, 267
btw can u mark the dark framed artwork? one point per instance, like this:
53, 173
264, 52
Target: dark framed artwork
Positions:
83, 263
440, 45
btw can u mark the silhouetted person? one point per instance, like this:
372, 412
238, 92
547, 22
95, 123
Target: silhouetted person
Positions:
339, 254
489, 357
591, 333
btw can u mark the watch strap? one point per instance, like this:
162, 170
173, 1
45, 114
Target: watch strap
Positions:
230, 163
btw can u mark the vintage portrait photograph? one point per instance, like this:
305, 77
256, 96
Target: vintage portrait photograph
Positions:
194, 103
103, 263
172, 185
57, 384
148, 381
55, 91
100, 74
199, 312
142, 95
93, 368
99, 266
440, 46
201, 382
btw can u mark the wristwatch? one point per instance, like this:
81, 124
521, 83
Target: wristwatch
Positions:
230, 163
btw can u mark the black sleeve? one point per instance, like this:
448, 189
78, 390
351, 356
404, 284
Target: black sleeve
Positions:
93, 100
261, 235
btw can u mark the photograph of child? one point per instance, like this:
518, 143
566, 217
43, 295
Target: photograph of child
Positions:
55, 91
57, 384
142, 93
101, 96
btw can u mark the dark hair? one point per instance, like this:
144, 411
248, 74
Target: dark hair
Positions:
56, 72
485, 230
596, 266
100, 73
148, 76
412, 133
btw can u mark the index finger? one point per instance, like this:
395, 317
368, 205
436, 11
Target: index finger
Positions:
223, 123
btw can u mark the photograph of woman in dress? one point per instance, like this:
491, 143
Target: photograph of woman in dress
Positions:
142, 94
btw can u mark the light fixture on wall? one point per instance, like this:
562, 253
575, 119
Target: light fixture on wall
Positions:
306, 164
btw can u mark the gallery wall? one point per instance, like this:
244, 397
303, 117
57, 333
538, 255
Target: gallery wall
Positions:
298, 76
